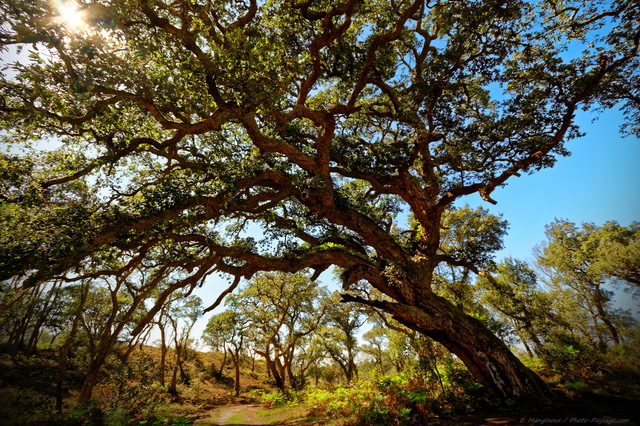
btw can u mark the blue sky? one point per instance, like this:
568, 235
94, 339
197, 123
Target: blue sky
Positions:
597, 183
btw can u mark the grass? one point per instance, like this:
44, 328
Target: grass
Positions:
236, 419
280, 414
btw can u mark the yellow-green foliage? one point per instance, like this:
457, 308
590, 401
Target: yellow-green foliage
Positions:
389, 400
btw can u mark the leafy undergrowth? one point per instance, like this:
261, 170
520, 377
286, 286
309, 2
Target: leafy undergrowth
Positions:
126, 395
403, 404
401, 399
588, 388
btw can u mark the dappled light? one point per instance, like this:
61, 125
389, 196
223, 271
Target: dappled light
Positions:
72, 16
208, 205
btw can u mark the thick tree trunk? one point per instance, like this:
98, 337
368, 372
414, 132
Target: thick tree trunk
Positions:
90, 380
352, 370
486, 356
184, 378
294, 381
222, 364
273, 369
173, 386
280, 371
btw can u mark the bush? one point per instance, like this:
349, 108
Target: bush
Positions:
117, 417
271, 398
390, 400
132, 386
160, 415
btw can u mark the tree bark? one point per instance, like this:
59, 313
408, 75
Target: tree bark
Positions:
486, 356
604, 317
222, 364
173, 386
235, 357
272, 368
163, 354
91, 377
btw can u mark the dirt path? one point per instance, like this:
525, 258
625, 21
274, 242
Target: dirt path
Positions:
238, 414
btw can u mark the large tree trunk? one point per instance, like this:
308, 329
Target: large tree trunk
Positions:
173, 386
275, 374
222, 364
486, 356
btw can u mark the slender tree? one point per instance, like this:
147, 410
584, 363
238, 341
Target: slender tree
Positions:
284, 310
579, 260
230, 330
182, 314
339, 337
559, 253
514, 293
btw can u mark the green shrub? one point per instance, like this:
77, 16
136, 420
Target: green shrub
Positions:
271, 398
534, 363
564, 359
398, 399
117, 417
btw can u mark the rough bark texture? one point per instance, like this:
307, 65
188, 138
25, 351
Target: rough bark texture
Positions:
486, 356
408, 120
235, 356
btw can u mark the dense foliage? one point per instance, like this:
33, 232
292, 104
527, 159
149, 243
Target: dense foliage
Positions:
158, 134
286, 341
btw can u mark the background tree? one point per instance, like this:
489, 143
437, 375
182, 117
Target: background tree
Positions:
182, 315
107, 311
377, 342
284, 310
339, 336
316, 123
618, 252
579, 262
514, 293
229, 329
27, 314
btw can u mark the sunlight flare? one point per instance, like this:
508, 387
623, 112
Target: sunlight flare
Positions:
71, 16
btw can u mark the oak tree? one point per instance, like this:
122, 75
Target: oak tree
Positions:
316, 122
514, 293
339, 336
283, 310
229, 330
589, 260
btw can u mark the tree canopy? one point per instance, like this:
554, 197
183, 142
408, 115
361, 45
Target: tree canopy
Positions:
181, 124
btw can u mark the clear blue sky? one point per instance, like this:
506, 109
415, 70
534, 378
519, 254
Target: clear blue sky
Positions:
599, 182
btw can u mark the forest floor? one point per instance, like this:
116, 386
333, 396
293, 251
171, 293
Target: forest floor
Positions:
254, 414
27, 389
589, 409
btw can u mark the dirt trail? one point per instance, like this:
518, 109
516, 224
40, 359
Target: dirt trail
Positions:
239, 414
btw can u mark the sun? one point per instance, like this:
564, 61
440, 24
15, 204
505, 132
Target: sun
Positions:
71, 16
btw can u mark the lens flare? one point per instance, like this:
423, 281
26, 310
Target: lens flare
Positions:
71, 16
